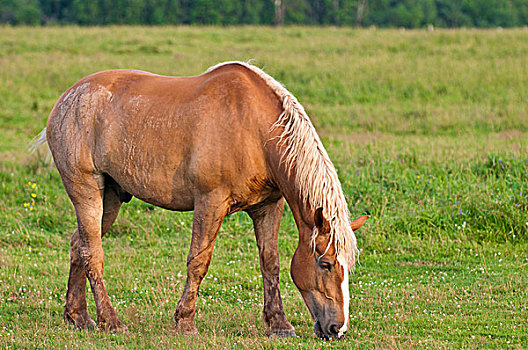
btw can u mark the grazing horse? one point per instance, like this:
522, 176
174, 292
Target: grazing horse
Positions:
227, 140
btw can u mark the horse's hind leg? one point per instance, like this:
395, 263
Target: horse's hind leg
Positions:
75, 310
208, 216
87, 258
266, 220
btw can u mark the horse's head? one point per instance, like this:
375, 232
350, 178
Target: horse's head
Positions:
321, 275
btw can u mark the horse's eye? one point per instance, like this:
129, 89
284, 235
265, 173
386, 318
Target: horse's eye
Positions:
325, 265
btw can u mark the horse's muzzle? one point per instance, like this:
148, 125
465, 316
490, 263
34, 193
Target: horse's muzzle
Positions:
332, 333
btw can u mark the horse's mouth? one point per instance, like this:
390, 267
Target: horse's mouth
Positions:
318, 330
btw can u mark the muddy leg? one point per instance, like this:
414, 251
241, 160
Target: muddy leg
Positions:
86, 195
208, 216
266, 220
75, 311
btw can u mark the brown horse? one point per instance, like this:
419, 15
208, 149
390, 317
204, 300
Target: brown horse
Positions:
230, 139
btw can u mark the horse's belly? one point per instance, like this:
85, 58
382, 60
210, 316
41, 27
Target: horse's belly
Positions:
162, 185
181, 203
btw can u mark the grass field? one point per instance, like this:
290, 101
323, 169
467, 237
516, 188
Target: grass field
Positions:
429, 132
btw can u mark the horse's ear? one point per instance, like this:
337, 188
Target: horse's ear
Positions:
319, 218
356, 224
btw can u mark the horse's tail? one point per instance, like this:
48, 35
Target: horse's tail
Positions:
38, 141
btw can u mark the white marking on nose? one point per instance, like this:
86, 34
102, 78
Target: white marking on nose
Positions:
346, 295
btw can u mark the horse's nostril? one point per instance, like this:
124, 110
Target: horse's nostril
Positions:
334, 329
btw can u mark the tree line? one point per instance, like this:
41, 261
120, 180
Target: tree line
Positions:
382, 13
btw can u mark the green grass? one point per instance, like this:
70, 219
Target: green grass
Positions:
429, 132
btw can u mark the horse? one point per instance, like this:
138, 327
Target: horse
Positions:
231, 139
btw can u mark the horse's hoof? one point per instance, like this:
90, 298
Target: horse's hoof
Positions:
186, 328
88, 324
114, 326
283, 334
79, 321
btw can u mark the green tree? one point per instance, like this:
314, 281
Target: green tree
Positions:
429, 12
28, 14
7, 11
250, 12
25, 12
173, 12
267, 15
347, 13
295, 11
521, 9
85, 12
318, 11
451, 14
205, 12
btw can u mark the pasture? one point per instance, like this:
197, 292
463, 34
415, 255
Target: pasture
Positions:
428, 131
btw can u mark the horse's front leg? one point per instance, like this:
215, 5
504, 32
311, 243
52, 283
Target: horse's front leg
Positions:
266, 220
208, 216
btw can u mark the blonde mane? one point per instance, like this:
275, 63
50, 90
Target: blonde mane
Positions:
316, 175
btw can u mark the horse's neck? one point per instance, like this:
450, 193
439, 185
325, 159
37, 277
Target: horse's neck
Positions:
303, 216
302, 213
